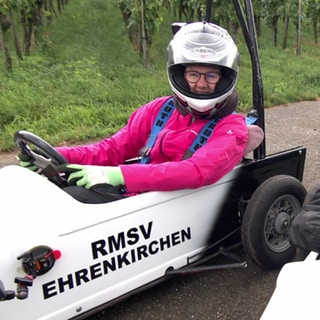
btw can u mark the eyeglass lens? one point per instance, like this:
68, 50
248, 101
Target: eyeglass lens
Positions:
194, 76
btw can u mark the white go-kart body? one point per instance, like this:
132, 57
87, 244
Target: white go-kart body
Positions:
62, 259
102, 251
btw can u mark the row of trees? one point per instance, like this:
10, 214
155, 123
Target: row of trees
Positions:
143, 17
33, 16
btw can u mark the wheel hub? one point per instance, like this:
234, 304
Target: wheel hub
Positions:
281, 223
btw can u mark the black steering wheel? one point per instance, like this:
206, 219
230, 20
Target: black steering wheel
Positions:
44, 157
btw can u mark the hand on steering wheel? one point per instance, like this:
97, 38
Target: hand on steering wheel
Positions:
48, 159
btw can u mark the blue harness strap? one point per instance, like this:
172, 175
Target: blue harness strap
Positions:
201, 138
162, 117
207, 130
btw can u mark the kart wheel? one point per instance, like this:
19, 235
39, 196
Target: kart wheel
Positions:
267, 218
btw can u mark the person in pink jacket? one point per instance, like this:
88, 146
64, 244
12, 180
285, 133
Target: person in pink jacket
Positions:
202, 69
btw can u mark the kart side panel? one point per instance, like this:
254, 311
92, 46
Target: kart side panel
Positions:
106, 250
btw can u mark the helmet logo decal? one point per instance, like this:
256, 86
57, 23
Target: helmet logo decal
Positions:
203, 51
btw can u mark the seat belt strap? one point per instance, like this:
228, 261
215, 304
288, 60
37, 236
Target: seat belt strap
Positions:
201, 138
162, 117
207, 130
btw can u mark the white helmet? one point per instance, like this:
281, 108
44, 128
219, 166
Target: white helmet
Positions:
202, 43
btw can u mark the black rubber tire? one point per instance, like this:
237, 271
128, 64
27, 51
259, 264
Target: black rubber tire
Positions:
267, 218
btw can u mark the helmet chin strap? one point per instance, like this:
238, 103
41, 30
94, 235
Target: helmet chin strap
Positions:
223, 109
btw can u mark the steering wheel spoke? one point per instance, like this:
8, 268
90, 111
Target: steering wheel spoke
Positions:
47, 160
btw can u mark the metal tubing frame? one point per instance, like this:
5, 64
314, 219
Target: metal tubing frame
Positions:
246, 20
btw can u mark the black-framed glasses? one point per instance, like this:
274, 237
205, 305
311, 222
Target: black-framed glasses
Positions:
194, 76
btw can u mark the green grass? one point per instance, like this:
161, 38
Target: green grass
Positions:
85, 80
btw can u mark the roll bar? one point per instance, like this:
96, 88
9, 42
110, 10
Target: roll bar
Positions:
246, 20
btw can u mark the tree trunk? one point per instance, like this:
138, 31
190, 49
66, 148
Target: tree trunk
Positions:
275, 30
299, 30
52, 9
285, 33
315, 32
59, 5
133, 31
143, 36
27, 31
15, 37
258, 25
4, 48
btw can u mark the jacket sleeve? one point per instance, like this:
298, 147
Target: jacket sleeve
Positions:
123, 145
223, 151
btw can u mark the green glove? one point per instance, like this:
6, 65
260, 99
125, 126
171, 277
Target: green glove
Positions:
26, 161
89, 176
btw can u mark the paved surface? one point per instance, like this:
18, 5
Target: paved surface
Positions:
228, 294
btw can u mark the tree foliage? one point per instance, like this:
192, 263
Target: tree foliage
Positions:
33, 16
313, 14
142, 19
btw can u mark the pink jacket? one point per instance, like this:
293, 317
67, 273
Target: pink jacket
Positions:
224, 149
